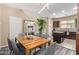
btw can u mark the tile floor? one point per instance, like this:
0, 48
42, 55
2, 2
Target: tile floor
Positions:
69, 43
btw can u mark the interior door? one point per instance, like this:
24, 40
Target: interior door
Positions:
15, 26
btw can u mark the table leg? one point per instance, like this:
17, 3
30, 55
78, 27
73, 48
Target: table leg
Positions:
28, 52
49, 43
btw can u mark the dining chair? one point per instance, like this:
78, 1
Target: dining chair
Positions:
25, 33
37, 34
21, 34
10, 46
19, 45
50, 50
17, 50
46, 51
44, 36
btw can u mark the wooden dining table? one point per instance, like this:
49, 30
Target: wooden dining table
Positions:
32, 43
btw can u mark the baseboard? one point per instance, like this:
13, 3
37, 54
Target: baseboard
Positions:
3, 46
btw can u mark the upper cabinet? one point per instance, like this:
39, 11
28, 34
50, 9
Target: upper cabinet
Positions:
56, 24
68, 24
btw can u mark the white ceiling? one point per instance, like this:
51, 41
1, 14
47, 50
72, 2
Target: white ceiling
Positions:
34, 8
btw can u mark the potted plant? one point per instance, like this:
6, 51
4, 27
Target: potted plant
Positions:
41, 24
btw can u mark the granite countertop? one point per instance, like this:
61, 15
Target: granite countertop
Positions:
58, 32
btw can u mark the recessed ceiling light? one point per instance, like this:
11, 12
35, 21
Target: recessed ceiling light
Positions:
63, 11
54, 14
75, 8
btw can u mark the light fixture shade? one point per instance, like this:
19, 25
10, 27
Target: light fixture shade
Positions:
63, 11
54, 14
75, 8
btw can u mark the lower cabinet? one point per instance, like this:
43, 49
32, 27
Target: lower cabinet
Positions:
72, 35
77, 43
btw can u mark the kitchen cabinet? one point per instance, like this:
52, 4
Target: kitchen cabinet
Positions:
56, 24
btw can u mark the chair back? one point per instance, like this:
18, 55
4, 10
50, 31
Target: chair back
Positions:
37, 34
46, 51
10, 44
25, 33
15, 48
44, 36
21, 34
50, 50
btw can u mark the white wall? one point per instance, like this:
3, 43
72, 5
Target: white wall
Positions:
78, 17
0, 35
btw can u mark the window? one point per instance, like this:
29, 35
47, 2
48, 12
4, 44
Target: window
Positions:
67, 24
